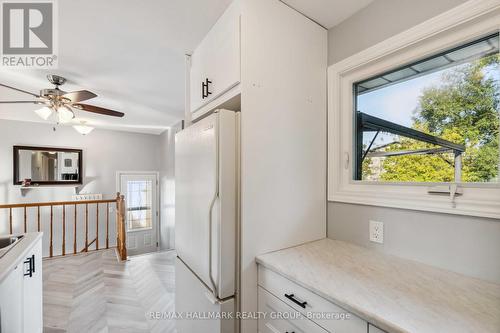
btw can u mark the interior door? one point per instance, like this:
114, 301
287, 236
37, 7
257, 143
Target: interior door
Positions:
141, 211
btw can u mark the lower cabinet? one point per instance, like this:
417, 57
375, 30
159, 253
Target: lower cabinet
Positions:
279, 317
11, 301
21, 295
33, 290
323, 315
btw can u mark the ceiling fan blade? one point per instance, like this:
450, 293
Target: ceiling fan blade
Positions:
78, 96
99, 110
20, 90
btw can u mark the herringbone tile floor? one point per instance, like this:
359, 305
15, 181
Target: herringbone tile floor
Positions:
93, 292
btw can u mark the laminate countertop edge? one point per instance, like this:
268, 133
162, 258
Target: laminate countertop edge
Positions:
16, 254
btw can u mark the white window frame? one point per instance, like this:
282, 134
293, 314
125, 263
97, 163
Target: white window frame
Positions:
469, 21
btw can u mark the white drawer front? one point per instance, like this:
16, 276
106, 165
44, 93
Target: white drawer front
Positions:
280, 318
326, 314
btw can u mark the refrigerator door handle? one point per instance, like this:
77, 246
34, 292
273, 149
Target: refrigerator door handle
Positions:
212, 204
212, 281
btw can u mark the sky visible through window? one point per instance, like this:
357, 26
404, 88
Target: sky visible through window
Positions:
400, 103
395, 103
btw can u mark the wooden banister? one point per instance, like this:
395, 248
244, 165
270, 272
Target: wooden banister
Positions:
119, 201
55, 203
120, 225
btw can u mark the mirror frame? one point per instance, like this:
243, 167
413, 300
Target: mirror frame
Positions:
16, 150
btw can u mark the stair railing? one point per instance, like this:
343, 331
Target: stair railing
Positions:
121, 233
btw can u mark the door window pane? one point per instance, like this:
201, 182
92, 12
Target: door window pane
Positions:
139, 204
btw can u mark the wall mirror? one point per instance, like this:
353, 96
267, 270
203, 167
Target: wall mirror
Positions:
47, 166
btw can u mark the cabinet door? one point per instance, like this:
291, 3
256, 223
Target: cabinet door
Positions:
11, 297
33, 290
215, 64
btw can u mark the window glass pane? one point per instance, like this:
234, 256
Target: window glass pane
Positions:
431, 64
436, 120
139, 204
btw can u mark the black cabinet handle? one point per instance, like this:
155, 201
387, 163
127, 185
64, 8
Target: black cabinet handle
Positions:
31, 266
205, 92
292, 298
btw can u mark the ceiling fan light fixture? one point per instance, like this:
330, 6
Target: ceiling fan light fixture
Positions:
65, 114
44, 112
83, 129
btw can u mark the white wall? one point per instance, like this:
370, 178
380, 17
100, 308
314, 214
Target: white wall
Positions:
167, 187
104, 153
379, 21
465, 245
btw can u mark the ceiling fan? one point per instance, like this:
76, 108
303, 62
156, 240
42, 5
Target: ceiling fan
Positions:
61, 103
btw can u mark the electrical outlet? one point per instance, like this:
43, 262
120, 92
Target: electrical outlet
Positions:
376, 232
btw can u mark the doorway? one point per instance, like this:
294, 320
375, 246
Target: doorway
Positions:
141, 210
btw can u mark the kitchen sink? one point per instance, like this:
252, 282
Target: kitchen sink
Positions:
7, 243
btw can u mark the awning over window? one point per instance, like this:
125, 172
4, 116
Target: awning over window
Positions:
475, 50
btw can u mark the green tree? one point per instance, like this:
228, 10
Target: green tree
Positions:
463, 109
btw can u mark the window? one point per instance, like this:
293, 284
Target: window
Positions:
413, 122
139, 204
434, 120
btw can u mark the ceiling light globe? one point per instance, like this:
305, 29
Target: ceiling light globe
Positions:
65, 114
44, 112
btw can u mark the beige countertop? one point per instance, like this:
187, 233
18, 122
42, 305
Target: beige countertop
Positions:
17, 253
395, 294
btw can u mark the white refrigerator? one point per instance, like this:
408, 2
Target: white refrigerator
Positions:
206, 224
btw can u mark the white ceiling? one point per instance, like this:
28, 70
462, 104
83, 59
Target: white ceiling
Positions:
131, 54
328, 13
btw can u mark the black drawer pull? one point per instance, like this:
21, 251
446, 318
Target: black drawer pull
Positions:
31, 266
292, 298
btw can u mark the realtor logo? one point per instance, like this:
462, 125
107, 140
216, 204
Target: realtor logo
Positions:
28, 34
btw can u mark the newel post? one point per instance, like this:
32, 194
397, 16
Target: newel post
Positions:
120, 226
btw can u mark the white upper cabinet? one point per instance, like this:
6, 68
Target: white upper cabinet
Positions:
215, 63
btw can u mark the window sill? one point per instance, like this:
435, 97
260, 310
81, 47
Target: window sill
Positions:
419, 201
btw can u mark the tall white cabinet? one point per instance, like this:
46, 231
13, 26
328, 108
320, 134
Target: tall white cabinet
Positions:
215, 64
268, 61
